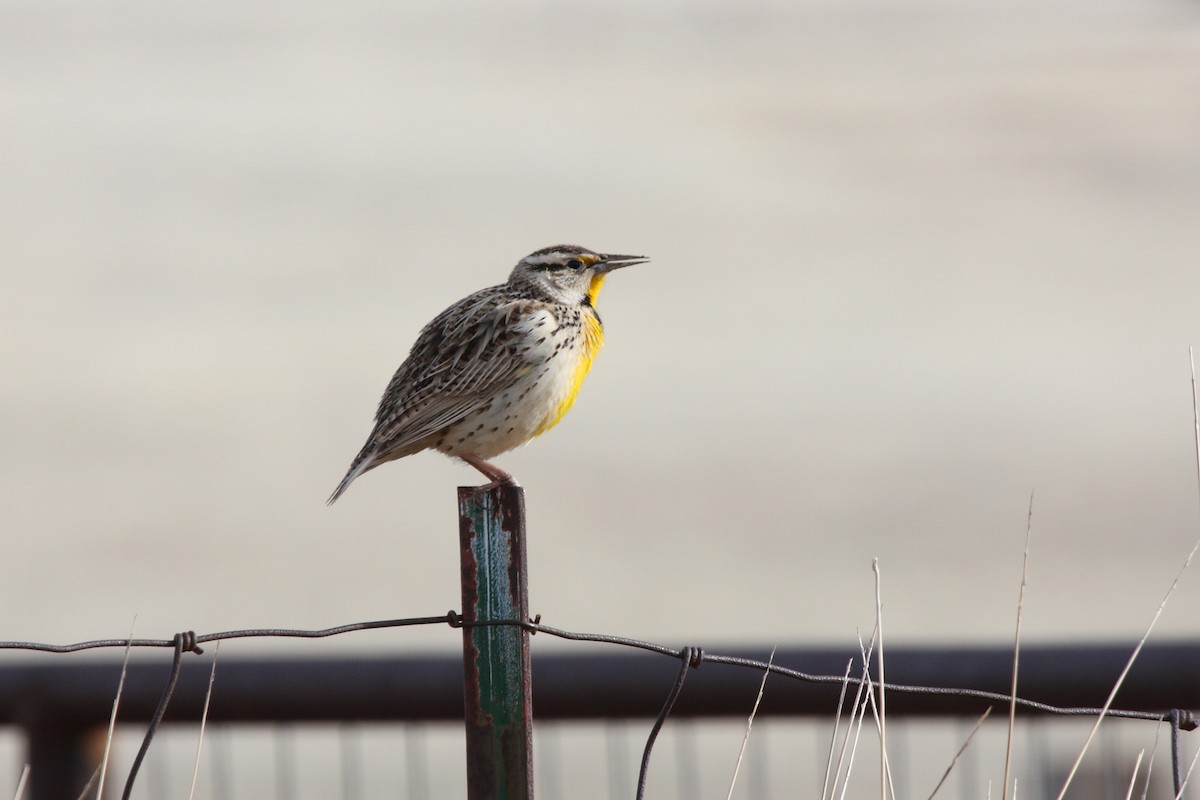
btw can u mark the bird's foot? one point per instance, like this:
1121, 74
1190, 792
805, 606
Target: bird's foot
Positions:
497, 476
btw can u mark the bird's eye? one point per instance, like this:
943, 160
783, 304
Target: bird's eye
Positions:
575, 263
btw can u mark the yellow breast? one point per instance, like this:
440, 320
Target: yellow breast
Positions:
592, 338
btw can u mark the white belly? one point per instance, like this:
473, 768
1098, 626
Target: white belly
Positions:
533, 403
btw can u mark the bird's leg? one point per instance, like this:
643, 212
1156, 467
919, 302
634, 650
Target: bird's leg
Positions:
497, 476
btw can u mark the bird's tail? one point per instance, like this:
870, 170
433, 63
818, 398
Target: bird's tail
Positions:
362, 462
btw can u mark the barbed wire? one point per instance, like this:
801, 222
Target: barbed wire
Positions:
248, 633
690, 658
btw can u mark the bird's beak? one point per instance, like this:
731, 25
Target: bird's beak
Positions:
610, 262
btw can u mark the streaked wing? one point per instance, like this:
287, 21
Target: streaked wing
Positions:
459, 361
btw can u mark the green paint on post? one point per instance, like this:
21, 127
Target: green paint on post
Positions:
497, 692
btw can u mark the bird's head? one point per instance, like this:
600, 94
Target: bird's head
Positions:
567, 273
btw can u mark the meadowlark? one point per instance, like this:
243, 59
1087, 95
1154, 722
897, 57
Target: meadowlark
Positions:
497, 368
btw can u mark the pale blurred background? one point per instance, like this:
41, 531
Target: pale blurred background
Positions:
911, 262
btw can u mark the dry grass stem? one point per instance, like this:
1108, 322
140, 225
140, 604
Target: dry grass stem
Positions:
961, 750
885, 770
112, 719
1188, 776
1162, 605
1124, 672
87, 787
21, 783
862, 712
750, 721
1133, 778
212, 676
858, 692
837, 722
875, 715
856, 713
838, 775
869, 700
1150, 763
1195, 417
1012, 705
1196, 425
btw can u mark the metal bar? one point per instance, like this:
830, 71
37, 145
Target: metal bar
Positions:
584, 682
1176, 761
60, 763
497, 693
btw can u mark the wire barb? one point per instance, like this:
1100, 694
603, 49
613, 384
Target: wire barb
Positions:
188, 642
1181, 720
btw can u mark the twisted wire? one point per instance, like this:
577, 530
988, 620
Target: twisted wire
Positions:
689, 657
183, 643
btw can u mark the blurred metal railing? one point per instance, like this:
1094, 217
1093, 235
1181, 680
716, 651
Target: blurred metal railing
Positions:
61, 705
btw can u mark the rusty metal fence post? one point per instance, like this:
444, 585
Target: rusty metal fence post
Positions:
497, 689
